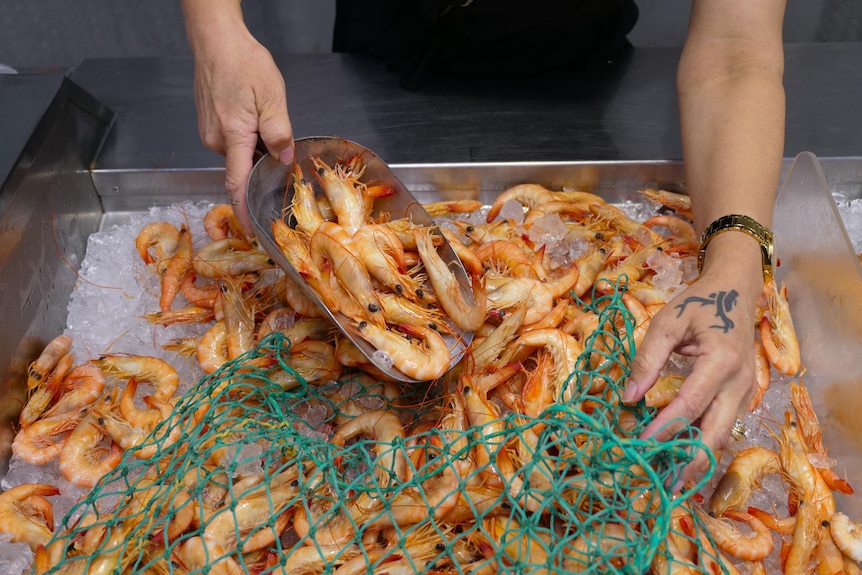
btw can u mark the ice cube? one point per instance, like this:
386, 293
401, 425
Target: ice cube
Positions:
15, 558
382, 359
548, 230
511, 210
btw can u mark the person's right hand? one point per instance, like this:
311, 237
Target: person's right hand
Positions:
240, 94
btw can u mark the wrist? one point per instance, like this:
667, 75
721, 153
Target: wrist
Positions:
740, 224
735, 257
212, 24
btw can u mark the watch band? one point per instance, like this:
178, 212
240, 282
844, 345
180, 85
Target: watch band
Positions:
743, 224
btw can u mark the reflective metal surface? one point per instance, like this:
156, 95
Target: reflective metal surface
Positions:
49, 209
270, 189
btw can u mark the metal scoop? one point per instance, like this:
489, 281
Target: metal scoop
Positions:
270, 190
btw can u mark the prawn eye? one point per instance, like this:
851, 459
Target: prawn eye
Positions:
399, 289
294, 483
825, 523
467, 389
373, 307
420, 293
602, 251
659, 249
303, 181
600, 236
101, 421
321, 170
439, 547
433, 326
363, 324
224, 288
470, 229
506, 505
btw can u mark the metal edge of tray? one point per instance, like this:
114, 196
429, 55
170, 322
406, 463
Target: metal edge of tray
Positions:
136, 190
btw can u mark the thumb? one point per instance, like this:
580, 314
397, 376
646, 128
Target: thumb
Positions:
276, 131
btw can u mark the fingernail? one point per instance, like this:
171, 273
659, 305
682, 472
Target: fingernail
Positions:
630, 392
286, 155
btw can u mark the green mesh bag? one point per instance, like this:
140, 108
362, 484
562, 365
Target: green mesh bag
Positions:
258, 472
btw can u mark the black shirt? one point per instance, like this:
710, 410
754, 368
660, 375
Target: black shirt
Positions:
484, 38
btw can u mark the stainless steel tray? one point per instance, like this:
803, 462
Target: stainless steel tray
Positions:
123, 193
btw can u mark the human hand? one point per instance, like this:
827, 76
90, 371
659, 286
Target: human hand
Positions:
240, 93
713, 322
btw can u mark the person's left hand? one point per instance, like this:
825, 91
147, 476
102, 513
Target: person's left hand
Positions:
713, 322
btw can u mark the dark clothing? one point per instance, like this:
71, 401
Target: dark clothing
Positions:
484, 37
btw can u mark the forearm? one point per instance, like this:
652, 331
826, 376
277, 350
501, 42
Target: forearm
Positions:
733, 140
211, 24
732, 112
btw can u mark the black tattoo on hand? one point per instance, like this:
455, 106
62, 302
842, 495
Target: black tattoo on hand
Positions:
723, 302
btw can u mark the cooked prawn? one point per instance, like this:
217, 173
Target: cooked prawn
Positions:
745, 472
239, 319
847, 535
809, 428
303, 205
229, 257
471, 262
505, 293
211, 351
220, 222
84, 458
446, 287
46, 392
387, 431
564, 351
506, 258
41, 441
197, 554
157, 372
198, 296
187, 315
313, 361
48, 360
762, 375
383, 255
664, 391
400, 310
777, 332
816, 502
82, 387
680, 203
341, 186
751, 547
137, 440
449, 207
26, 515
424, 360
683, 237
528, 195
174, 268
331, 243
161, 238
293, 296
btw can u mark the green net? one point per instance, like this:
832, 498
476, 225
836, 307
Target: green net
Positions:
258, 472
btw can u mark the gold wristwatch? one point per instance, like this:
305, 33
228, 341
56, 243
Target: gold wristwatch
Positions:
742, 224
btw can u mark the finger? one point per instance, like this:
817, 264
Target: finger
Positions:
275, 127
693, 399
715, 426
650, 358
239, 150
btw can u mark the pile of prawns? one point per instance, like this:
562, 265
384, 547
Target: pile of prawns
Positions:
527, 314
